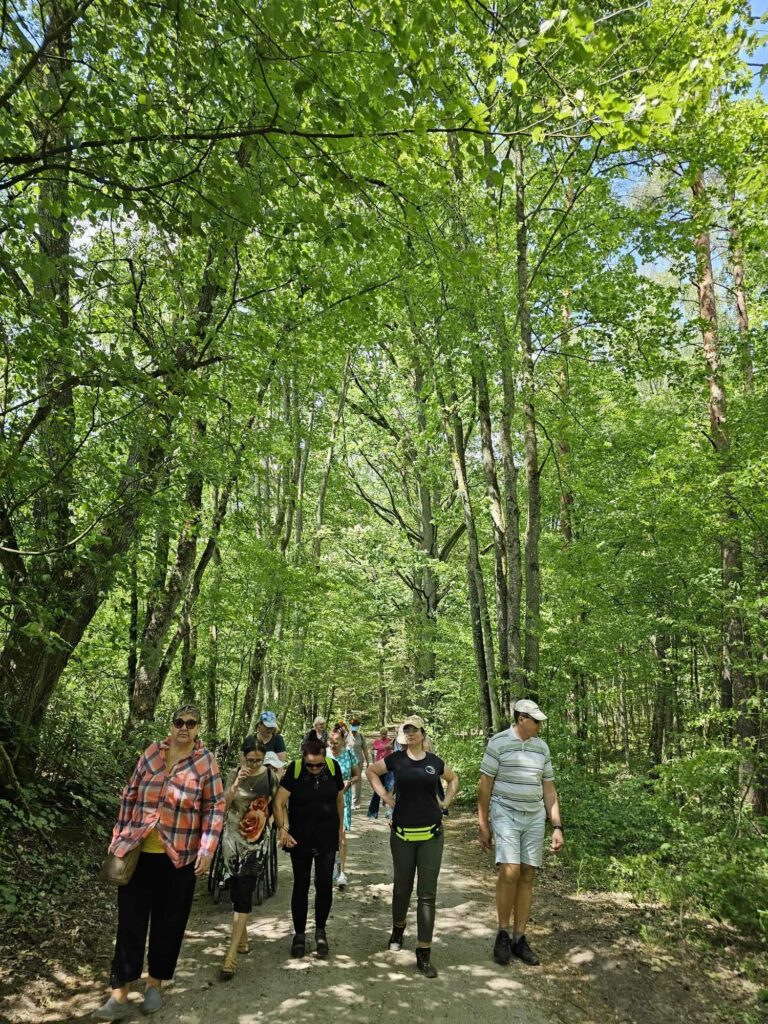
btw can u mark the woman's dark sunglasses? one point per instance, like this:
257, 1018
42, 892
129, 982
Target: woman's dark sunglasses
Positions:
314, 767
189, 723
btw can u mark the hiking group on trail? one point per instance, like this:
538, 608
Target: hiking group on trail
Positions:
175, 811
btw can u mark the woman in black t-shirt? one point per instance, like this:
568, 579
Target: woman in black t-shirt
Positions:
416, 840
312, 793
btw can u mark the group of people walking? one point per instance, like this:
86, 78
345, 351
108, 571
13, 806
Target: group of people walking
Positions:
175, 808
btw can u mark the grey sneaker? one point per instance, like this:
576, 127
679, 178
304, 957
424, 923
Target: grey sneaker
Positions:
153, 1000
112, 1010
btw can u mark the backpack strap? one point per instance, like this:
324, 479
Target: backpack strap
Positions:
328, 760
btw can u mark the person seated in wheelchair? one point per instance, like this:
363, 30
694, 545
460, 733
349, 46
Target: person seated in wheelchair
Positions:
248, 792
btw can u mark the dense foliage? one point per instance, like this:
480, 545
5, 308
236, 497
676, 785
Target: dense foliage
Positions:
387, 357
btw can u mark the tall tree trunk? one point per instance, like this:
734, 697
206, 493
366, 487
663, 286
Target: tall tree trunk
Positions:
497, 518
736, 685
532, 471
512, 535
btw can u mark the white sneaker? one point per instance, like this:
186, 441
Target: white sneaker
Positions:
341, 881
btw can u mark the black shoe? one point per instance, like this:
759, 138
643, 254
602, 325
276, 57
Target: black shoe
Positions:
299, 945
522, 950
424, 964
321, 943
396, 938
502, 947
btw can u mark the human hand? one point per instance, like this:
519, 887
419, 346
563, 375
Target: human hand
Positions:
285, 839
202, 864
388, 800
557, 841
485, 837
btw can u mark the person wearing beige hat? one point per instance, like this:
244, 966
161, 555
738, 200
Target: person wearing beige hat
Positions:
416, 839
515, 796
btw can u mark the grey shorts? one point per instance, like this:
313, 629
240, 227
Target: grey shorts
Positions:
519, 835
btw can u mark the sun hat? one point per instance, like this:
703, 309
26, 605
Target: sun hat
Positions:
269, 718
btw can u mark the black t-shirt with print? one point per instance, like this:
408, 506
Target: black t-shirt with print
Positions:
313, 818
416, 789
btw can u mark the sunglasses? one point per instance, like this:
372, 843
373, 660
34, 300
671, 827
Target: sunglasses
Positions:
185, 723
314, 767
530, 718
410, 728
254, 761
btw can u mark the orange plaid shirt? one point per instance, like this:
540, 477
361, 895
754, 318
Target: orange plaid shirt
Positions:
186, 806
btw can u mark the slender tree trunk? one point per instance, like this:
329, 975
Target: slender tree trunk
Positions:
512, 536
497, 517
532, 471
737, 688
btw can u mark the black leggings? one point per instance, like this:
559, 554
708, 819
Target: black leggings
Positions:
158, 897
408, 859
301, 862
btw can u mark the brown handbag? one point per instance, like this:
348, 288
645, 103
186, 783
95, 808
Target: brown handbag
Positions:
118, 870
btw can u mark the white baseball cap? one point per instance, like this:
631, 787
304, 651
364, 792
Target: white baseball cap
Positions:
530, 707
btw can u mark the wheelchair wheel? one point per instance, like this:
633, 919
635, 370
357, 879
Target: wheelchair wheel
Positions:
272, 863
260, 891
216, 874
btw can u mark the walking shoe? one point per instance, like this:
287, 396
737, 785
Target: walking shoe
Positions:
396, 938
244, 945
502, 947
321, 943
373, 817
522, 950
342, 881
299, 944
153, 1000
424, 964
113, 1009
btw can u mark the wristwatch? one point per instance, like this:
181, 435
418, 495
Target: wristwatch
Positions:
560, 827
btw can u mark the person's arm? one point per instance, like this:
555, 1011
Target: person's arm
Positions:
212, 817
233, 783
375, 773
365, 752
484, 791
340, 813
452, 779
128, 799
280, 747
552, 805
280, 813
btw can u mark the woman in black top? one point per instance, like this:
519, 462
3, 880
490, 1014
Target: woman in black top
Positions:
416, 840
312, 793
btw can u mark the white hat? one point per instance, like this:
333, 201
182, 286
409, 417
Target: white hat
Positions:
530, 707
271, 759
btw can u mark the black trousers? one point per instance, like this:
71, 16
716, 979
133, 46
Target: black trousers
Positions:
159, 898
301, 862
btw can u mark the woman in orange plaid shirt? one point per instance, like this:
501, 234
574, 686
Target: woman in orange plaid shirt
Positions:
173, 807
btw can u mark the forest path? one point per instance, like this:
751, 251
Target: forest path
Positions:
599, 963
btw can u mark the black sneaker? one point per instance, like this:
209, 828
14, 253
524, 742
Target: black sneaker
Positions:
396, 938
502, 947
424, 964
299, 944
321, 943
522, 950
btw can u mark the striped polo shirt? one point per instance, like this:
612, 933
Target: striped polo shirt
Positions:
519, 768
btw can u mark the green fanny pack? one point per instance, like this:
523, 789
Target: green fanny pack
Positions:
417, 834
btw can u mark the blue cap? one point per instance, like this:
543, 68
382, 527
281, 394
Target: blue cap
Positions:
269, 718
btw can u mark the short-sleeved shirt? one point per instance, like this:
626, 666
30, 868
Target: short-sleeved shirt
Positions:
359, 745
416, 786
276, 744
518, 767
312, 812
381, 748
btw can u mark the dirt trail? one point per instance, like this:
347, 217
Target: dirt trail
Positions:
598, 963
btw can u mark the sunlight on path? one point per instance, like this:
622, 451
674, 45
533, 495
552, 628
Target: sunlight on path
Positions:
361, 980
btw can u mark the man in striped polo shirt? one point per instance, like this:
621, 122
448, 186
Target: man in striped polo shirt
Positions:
516, 793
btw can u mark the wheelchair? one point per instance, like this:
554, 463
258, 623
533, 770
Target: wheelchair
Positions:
266, 875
